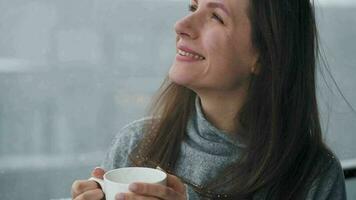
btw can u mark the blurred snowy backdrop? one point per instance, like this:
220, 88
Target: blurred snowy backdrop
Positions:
72, 73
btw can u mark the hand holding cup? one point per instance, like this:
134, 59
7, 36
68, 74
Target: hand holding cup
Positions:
129, 183
88, 189
173, 190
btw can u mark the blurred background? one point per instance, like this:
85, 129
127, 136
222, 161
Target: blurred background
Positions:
72, 73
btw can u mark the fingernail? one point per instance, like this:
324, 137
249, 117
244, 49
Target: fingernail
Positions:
133, 187
120, 196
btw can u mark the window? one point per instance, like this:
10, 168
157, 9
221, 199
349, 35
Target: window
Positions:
72, 73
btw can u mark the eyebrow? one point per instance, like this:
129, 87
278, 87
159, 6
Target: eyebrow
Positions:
217, 5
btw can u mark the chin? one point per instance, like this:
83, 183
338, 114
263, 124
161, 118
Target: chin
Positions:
180, 77
178, 80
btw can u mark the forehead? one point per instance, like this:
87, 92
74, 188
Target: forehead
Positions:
234, 6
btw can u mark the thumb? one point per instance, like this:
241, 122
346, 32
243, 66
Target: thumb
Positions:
98, 172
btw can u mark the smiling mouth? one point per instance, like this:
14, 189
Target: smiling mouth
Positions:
191, 55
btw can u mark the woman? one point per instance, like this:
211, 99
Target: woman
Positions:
237, 117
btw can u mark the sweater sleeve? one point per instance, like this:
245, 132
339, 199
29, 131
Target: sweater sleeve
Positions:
122, 145
330, 185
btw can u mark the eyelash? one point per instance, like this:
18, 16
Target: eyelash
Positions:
193, 8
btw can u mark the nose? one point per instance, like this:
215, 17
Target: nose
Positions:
185, 28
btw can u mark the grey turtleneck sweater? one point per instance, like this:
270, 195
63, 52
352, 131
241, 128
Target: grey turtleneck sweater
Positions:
206, 150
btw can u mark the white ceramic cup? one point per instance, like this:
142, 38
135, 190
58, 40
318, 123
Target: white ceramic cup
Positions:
118, 180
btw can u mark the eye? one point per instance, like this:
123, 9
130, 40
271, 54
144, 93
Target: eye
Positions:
192, 8
217, 17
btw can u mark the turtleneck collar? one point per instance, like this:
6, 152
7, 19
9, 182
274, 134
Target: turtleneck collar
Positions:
207, 136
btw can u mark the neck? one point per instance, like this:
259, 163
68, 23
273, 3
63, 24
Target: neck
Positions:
221, 108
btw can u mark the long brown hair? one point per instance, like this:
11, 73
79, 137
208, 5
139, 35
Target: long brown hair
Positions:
280, 116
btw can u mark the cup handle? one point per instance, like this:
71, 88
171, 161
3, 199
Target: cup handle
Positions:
99, 181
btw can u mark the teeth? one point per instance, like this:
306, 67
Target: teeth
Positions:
183, 53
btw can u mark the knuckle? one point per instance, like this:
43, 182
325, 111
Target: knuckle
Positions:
137, 197
144, 188
75, 187
79, 198
167, 192
78, 187
100, 192
86, 195
128, 196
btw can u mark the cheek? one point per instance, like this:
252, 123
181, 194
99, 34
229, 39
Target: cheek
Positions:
218, 50
243, 45
223, 55
216, 42
226, 66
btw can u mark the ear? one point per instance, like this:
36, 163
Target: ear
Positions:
253, 69
255, 66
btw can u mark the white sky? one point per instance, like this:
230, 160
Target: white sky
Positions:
336, 2
319, 2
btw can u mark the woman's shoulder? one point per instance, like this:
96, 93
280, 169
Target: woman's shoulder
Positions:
137, 125
330, 163
134, 130
124, 142
330, 182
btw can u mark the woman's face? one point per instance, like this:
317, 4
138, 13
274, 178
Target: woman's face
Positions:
217, 36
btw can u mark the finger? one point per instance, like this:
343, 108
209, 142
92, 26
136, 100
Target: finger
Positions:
175, 183
81, 186
155, 190
98, 172
95, 194
133, 196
